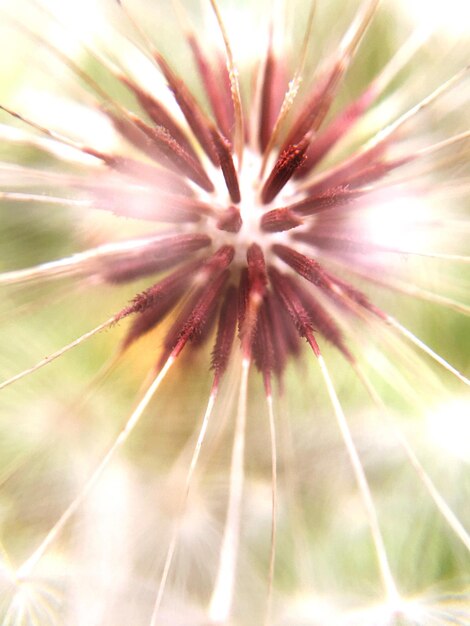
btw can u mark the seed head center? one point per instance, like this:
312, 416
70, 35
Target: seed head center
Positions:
251, 210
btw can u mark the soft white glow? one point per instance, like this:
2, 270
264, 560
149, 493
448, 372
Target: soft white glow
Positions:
312, 608
449, 428
452, 17
243, 31
68, 117
397, 222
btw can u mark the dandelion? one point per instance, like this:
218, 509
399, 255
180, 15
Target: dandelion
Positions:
254, 233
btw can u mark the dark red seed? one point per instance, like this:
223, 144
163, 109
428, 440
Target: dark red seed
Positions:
317, 105
340, 245
163, 290
162, 255
284, 336
273, 88
251, 291
377, 171
224, 153
279, 220
242, 299
257, 278
154, 314
324, 323
220, 260
226, 90
350, 172
193, 206
357, 296
174, 156
206, 330
287, 291
263, 347
265, 119
230, 221
333, 198
290, 159
190, 109
159, 115
307, 268
199, 310
196, 314
325, 141
313, 272
135, 135
225, 333
143, 204
252, 288
160, 178
211, 82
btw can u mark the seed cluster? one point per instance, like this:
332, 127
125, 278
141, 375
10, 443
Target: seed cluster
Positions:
252, 277
249, 210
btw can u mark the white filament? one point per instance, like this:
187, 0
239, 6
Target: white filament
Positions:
272, 555
441, 504
222, 595
429, 351
58, 353
177, 526
27, 567
384, 566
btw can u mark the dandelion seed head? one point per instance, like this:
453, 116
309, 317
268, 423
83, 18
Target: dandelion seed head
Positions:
263, 212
